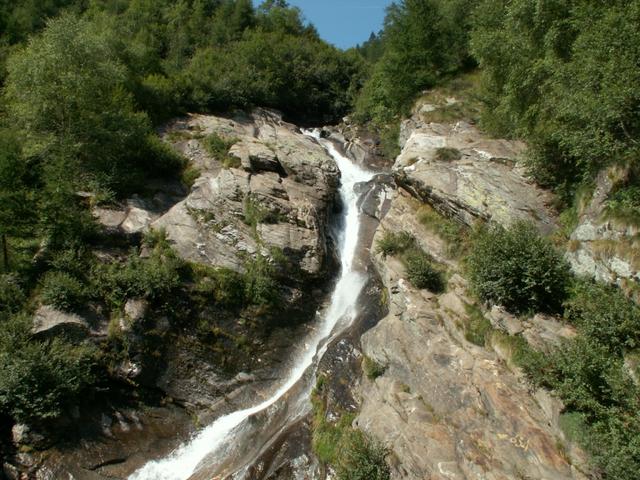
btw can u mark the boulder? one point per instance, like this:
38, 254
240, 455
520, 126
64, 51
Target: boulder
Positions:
136, 309
286, 185
49, 322
24, 435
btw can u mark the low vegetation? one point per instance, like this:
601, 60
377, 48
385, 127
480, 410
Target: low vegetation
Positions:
517, 268
353, 454
587, 372
420, 267
218, 147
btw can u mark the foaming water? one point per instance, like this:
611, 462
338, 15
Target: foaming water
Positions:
182, 463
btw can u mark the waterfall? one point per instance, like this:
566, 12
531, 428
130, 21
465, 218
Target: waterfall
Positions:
182, 463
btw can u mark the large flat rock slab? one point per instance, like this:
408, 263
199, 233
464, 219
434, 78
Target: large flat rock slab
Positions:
468, 176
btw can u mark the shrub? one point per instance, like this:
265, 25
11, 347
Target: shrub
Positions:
38, 379
421, 272
362, 458
224, 286
63, 291
254, 213
477, 327
393, 243
218, 147
261, 286
150, 278
372, 369
603, 313
354, 455
446, 154
517, 268
11, 294
74, 261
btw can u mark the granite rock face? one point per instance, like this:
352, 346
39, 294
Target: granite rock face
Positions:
601, 247
468, 176
447, 408
278, 197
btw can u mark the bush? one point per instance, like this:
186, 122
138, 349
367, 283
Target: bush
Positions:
603, 313
224, 286
218, 147
517, 268
354, 455
446, 154
63, 291
362, 458
421, 272
11, 294
150, 278
39, 379
394, 243
372, 369
261, 286
477, 327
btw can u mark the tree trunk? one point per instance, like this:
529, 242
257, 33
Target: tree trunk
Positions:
5, 252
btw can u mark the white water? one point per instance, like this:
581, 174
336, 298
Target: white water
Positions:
182, 463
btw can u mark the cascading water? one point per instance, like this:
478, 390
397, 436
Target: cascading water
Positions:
182, 463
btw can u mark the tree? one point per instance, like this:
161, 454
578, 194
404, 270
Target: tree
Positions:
72, 103
16, 206
564, 76
424, 40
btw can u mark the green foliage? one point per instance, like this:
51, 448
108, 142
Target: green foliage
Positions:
453, 233
424, 40
153, 278
419, 266
372, 369
219, 147
421, 271
11, 294
73, 101
363, 459
446, 154
393, 243
562, 75
63, 291
477, 327
354, 455
589, 374
603, 314
623, 204
39, 379
224, 286
517, 268
255, 213
305, 77
261, 285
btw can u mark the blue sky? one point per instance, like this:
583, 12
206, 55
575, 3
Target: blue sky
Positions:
345, 23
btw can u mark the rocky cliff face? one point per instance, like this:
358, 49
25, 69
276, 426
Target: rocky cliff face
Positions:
269, 194
449, 409
604, 248
284, 177
468, 176
446, 407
